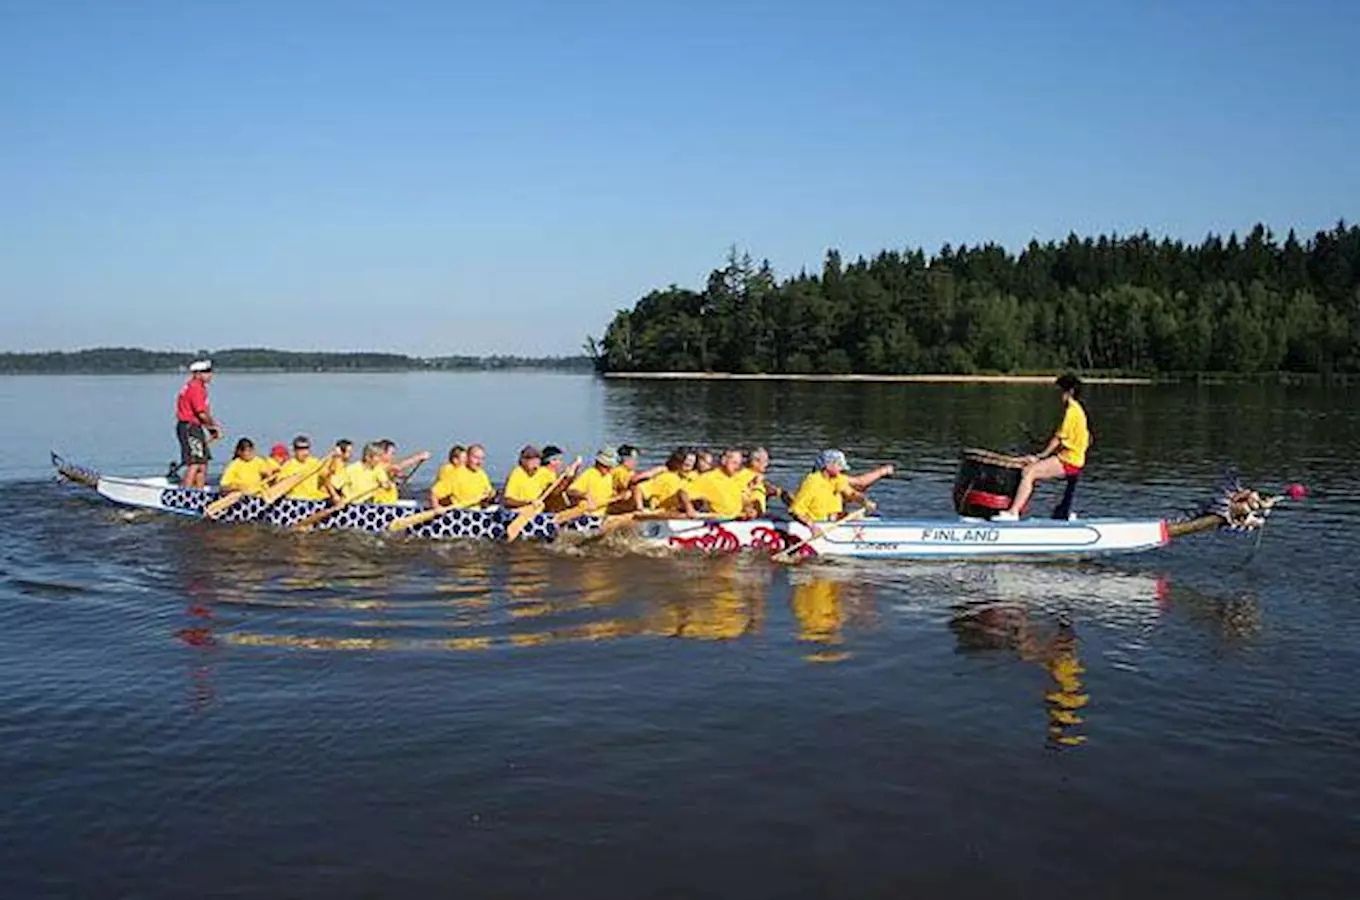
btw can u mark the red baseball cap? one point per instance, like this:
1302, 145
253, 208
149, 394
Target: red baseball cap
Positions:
279, 451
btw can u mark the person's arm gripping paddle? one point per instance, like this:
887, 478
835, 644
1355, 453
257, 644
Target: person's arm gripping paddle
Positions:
526, 514
281, 488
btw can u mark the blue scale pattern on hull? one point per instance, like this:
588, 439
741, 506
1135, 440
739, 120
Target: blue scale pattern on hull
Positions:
375, 517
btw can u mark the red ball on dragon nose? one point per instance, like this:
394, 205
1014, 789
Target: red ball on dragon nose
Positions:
1296, 491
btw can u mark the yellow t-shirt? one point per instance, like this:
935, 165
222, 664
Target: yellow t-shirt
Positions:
722, 491
388, 493
753, 483
522, 487
597, 486
338, 479
663, 491
308, 488
463, 488
820, 497
361, 479
1075, 436
622, 476
444, 471
249, 477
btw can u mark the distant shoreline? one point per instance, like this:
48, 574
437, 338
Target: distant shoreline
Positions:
266, 370
135, 361
907, 379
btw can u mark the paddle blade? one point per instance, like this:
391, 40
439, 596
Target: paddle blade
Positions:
419, 518
614, 523
222, 504
521, 521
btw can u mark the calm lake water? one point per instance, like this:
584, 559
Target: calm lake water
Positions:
204, 711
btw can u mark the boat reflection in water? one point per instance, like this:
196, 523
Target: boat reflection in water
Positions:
1031, 612
243, 590
521, 597
1052, 645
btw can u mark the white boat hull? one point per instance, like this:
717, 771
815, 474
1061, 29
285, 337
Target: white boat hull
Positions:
919, 538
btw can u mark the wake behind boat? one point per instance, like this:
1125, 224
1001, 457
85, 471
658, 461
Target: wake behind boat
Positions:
964, 538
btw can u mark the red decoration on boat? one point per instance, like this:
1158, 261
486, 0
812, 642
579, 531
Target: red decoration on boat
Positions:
764, 537
713, 538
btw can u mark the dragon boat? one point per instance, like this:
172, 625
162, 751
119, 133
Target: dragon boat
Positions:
965, 538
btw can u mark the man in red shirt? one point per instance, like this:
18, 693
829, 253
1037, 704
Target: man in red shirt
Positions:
194, 423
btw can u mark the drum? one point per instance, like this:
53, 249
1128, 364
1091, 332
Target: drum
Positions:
986, 483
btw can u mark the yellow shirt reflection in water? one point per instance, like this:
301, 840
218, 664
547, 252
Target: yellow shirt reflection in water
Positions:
721, 616
1067, 698
818, 608
723, 603
598, 584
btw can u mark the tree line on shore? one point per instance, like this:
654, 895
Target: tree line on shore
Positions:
114, 360
1130, 304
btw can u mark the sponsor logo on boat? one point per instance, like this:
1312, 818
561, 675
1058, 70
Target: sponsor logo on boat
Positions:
961, 535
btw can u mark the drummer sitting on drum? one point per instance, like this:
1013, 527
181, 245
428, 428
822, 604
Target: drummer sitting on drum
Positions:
1065, 455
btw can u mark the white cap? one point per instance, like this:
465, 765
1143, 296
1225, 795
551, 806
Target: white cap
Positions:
201, 365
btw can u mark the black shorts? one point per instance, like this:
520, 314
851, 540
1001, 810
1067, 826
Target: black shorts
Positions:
193, 443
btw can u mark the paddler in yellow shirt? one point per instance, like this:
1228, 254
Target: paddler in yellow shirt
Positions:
313, 487
457, 457
721, 491
823, 493
556, 462
662, 493
465, 486
247, 472
758, 490
527, 480
368, 477
628, 481
595, 486
336, 481
1065, 454
397, 471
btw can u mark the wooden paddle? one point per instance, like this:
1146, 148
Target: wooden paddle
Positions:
426, 515
215, 509
617, 521
581, 509
274, 489
419, 518
788, 555
525, 514
223, 503
272, 494
322, 515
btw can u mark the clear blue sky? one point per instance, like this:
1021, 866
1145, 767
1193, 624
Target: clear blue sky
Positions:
435, 177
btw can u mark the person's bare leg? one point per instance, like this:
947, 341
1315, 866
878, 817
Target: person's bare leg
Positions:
1050, 467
